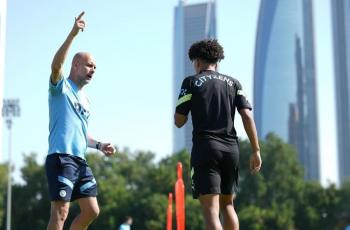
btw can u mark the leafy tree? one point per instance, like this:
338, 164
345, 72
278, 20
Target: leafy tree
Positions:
30, 201
194, 218
271, 194
343, 209
3, 191
317, 207
150, 212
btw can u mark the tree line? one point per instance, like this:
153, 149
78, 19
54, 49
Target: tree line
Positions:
135, 184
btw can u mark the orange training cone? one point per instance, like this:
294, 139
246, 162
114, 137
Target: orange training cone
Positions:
169, 219
180, 199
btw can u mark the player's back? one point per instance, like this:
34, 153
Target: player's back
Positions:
213, 105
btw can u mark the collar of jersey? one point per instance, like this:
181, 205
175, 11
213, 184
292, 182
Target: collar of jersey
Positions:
73, 85
207, 70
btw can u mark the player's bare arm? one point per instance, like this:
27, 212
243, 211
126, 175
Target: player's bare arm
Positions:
249, 126
180, 120
107, 148
60, 56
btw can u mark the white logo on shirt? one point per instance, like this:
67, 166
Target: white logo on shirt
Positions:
241, 93
205, 78
63, 193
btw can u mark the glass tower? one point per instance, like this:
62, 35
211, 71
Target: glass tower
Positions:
341, 47
192, 23
285, 98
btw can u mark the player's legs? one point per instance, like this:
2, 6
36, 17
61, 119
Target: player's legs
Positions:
228, 212
60, 176
89, 210
205, 168
58, 215
229, 183
85, 192
211, 208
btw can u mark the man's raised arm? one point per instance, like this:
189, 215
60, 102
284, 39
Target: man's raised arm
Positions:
60, 56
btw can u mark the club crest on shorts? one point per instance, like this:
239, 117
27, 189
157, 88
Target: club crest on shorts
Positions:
63, 193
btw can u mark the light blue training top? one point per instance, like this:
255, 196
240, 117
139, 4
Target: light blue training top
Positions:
69, 114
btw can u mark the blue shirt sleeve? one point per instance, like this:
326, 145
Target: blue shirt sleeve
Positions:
56, 89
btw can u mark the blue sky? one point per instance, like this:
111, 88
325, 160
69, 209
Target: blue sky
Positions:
131, 93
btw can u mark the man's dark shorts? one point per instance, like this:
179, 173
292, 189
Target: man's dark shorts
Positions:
69, 178
213, 170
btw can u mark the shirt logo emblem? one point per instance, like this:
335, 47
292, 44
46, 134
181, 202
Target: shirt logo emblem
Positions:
183, 92
63, 193
81, 110
241, 92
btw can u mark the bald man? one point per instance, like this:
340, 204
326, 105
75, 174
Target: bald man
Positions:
68, 174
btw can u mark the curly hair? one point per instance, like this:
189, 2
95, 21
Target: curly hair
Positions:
208, 50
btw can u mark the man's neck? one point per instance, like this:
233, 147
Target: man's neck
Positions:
79, 86
207, 66
212, 68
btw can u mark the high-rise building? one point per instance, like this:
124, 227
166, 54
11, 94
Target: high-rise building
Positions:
192, 23
3, 8
285, 98
341, 47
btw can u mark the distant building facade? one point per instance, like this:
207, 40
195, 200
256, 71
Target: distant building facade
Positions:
341, 47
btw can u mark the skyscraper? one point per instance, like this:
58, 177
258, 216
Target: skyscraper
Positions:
192, 23
341, 44
285, 99
3, 8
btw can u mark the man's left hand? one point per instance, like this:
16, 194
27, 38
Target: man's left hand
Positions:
108, 149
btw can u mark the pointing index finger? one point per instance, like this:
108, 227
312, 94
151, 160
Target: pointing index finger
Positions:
80, 15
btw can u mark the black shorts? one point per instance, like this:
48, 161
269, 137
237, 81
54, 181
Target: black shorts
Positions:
69, 178
214, 171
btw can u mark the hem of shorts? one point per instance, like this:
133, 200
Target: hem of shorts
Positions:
197, 195
231, 193
58, 199
79, 197
71, 200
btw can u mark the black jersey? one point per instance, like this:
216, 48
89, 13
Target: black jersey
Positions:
212, 99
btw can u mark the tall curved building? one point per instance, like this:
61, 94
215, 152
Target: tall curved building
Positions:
285, 99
